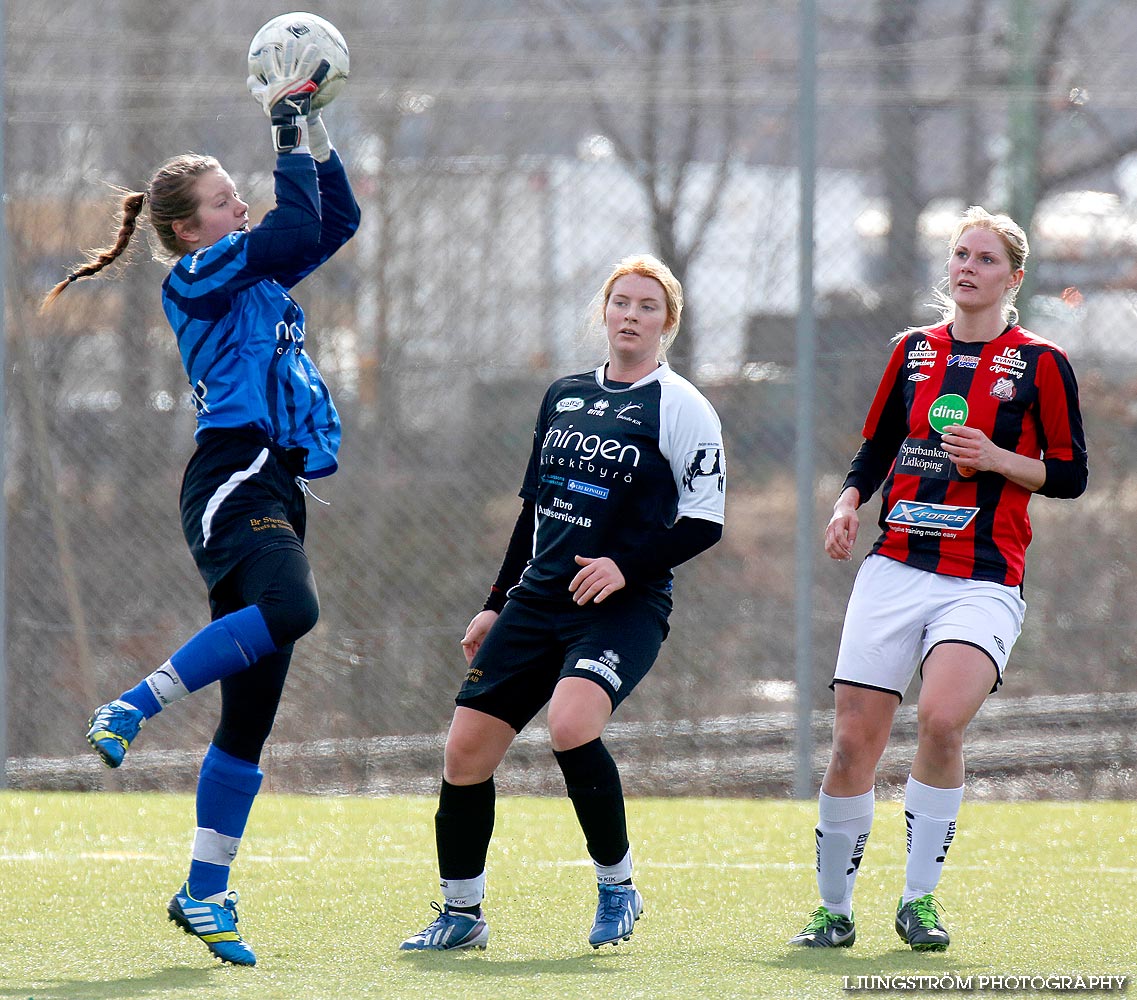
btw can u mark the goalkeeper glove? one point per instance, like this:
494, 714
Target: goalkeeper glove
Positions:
284, 91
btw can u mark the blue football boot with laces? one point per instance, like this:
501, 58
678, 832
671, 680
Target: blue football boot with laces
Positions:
450, 930
113, 727
214, 923
619, 908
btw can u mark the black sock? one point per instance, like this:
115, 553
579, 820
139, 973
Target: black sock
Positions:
593, 783
463, 826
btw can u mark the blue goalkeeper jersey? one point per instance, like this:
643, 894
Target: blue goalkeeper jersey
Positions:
240, 333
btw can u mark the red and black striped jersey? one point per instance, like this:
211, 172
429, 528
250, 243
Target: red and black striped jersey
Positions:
1021, 392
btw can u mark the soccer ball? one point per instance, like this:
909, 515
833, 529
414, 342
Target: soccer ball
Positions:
308, 28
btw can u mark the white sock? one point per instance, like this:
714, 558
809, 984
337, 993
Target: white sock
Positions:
930, 814
621, 871
842, 831
464, 892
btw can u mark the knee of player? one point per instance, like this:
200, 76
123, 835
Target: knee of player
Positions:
293, 617
463, 765
852, 754
568, 730
940, 730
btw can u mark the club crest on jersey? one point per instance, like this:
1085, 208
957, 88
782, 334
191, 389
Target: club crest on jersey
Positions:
704, 462
909, 514
623, 413
569, 404
1003, 389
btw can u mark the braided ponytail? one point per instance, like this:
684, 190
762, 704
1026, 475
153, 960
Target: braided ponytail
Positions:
98, 259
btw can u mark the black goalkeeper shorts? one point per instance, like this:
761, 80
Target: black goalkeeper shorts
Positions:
239, 497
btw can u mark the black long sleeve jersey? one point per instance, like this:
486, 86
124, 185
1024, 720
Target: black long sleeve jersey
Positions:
613, 467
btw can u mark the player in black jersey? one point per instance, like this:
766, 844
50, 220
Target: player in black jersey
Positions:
626, 480
973, 416
266, 424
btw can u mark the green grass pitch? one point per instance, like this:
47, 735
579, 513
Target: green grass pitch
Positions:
330, 886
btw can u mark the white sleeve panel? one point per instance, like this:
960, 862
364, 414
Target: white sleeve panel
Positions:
690, 438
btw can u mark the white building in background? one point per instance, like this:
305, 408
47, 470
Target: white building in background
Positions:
499, 261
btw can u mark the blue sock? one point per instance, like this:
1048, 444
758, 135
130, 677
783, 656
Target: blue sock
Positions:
226, 788
223, 647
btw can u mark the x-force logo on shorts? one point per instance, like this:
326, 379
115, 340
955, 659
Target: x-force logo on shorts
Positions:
704, 462
939, 517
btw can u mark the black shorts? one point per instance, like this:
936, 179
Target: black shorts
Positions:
240, 496
533, 644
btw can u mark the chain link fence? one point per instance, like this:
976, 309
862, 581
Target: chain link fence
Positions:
506, 153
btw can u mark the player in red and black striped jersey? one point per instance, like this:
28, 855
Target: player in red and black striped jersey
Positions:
971, 418
1018, 390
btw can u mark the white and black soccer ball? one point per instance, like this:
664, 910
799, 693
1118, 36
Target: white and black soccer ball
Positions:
306, 28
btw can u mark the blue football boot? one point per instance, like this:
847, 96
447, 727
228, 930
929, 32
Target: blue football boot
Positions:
619, 908
214, 923
450, 930
113, 726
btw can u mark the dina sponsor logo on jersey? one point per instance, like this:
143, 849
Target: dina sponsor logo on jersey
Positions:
1003, 389
569, 404
911, 514
963, 361
599, 408
588, 489
625, 411
568, 448
704, 462
946, 410
1010, 362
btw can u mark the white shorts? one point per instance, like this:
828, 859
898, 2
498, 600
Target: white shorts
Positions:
897, 614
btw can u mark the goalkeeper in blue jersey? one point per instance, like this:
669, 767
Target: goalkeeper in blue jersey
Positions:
266, 425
